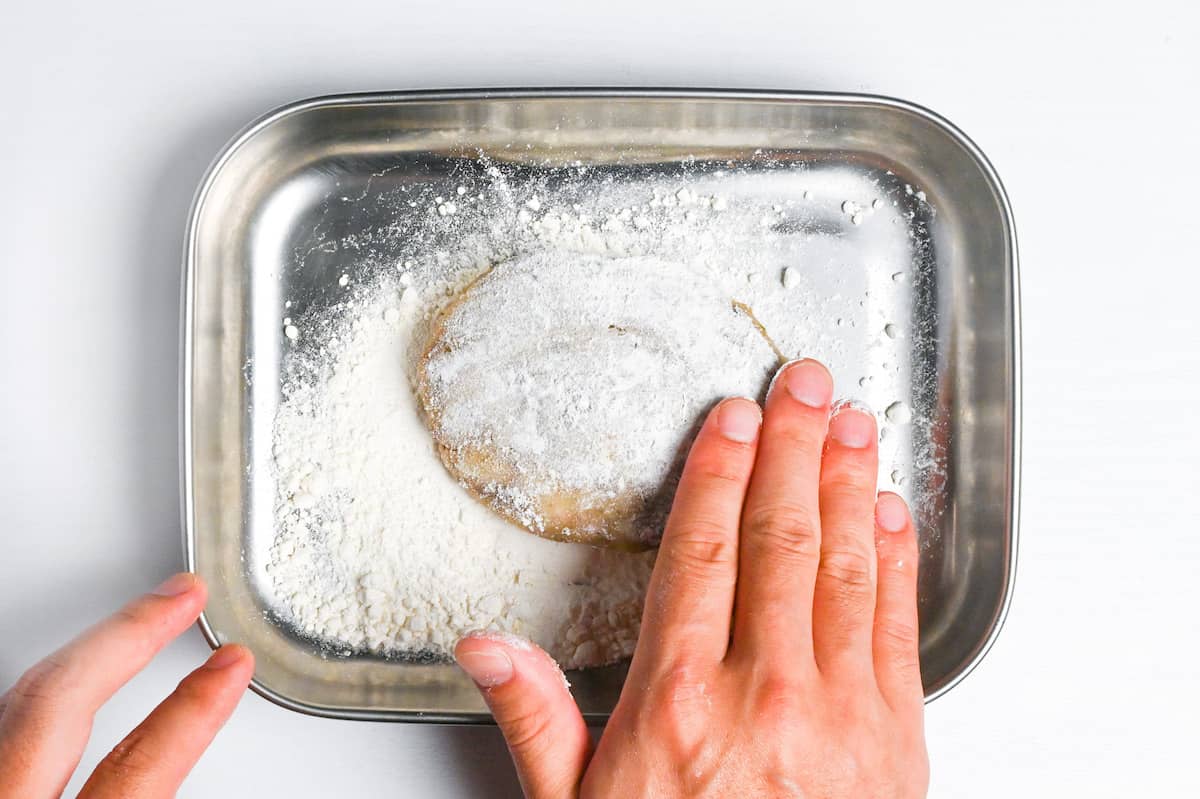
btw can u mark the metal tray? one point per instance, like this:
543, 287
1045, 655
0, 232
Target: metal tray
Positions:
257, 203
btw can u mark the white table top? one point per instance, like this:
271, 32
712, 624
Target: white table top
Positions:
112, 112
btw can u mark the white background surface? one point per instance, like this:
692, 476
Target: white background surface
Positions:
111, 111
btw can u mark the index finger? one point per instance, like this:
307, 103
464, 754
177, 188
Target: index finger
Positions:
689, 603
49, 713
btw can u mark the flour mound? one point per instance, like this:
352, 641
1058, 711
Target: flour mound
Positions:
563, 389
380, 550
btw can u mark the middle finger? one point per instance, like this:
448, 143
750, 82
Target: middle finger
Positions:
156, 757
781, 532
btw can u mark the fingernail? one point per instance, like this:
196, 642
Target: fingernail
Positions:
225, 656
852, 426
891, 514
739, 420
488, 668
176, 584
808, 383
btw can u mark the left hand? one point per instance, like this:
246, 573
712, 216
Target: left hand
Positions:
46, 717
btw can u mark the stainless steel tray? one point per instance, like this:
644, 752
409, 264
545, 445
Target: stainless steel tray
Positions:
962, 371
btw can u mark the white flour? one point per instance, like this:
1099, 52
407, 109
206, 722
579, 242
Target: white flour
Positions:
583, 376
377, 548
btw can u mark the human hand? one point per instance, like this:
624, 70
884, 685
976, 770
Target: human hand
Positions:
46, 717
778, 647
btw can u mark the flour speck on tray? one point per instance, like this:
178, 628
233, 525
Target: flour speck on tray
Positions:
622, 310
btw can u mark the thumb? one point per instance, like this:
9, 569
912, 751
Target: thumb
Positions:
532, 704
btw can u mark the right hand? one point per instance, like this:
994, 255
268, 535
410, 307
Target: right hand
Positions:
778, 648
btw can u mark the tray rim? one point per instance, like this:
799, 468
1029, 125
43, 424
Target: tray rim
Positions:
187, 503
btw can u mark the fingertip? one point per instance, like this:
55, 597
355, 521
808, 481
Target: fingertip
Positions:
485, 661
739, 420
178, 593
852, 424
806, 381
891, 513
229, 655
492, 658
178, 585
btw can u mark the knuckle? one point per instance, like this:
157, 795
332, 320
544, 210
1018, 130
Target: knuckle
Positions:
787, 530
701, 546
722, 468
779, 687
129, 761
193, 693
899, 638
679, 684
681, 703
779, 696
42, 683
850, 490
898, 644
909, 673
139, 626
527, 730
137, 615
849, 572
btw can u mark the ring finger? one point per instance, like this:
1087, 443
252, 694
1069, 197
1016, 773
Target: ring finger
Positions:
844, 596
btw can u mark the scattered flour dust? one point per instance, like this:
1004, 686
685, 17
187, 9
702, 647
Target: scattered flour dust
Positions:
379, 549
